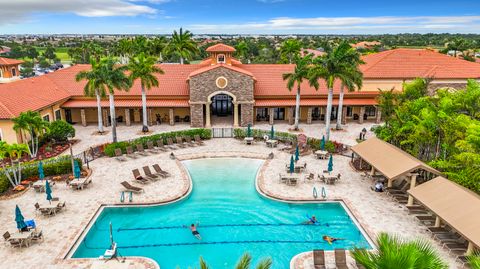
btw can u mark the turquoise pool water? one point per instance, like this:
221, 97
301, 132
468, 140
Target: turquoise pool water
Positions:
233, 219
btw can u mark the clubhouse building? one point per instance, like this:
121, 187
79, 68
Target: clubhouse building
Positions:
222, 89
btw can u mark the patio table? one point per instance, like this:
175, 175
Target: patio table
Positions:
25, 238
51, 208
321, 154
272, 143
248, 140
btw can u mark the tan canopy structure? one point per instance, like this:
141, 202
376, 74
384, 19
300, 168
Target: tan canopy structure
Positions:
455, 205
390, 161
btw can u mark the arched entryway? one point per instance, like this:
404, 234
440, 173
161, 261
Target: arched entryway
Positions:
222, 109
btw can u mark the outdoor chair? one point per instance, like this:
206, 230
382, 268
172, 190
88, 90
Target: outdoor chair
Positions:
189, 142
138, 177
170, 143
180, 142
130, 187
37, 236
151, 148
198, 140
141, 150
159, 170
160, 145
340, 259
61, 206
6, 236
309, 177
319, 259
130, 152
148, 173
119, 155
37, 207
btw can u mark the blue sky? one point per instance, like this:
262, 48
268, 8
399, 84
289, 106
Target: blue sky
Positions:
239, 17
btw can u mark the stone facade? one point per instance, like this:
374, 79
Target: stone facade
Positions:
196, 115
246, 116
433, 87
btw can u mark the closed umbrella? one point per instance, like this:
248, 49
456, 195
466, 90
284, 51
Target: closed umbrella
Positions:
249, 131
76, 170
292, 165
41, 174
330, 164
322, 143
297, 154
272, 133
19, 219
48, 191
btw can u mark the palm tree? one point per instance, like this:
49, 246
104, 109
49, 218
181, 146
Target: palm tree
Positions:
289, 49
32, 123
182, 45
396, 253
301, 72
144, 68
474, 260
124, 49
333, 66
14, 152
157, 46
92, 88
244, 263
242, 50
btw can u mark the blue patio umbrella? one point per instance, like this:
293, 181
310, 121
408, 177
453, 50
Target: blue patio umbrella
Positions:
19, 218
292, 165
272, 133
322, 143
76, 170
249, 131
330, 164
41, 174
48, 191
297, 154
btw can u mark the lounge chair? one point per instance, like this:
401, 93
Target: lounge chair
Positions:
148, 173
130, 187
141, 150
170, 143
180, 142
189, 142
78, 183
130, 152
151, 148
138, 177
159, 170
319, 259
160, 145
119, 155
198, 140
340, 259
61, 206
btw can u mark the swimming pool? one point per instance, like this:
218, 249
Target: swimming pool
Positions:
233, 219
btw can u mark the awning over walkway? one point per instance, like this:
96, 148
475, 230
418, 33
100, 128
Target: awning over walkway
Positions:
389, 160
455, 205
127, 103
312, 102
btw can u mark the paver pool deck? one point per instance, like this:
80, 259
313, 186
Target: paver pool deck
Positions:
375, 211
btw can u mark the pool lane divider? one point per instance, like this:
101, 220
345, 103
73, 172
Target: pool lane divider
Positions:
225, 225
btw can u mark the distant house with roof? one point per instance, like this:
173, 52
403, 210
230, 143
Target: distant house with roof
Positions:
222, 89
4, 50
9, 69
366, 44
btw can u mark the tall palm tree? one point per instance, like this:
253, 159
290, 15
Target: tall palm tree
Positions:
353, 58
396, 253
157, 47
300, 73
242, 50
244, 263
124, 49
333, 67
182, 45
289, 49
31, 122
92, 88
144, 68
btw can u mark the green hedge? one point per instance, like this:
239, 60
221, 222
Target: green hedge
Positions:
110, 148
282, 136
52, 167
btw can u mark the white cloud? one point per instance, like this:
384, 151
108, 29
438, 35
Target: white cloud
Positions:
382, 24
17, 10
270, 1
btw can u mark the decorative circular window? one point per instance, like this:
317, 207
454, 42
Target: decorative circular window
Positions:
221, 82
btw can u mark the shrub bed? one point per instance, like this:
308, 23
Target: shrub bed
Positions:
241, 133
110, 148
52, 167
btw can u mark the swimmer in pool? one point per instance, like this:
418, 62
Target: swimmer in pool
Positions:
195, 233
330, 240
311, 220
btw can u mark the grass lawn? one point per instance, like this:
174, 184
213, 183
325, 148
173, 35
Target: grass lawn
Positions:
61, 53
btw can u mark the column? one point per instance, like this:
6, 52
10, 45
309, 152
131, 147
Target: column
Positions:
470, 248
372, 172
413, 181
235, 115
105, 117
379, 115
127, 117
362, 112
149, 117
271, 112
344, 115
171, 116
83, 117
438, 222
291, 118
390, 183
309, 115
207, 115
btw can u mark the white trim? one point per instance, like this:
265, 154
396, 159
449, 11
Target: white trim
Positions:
224, 58
222, 92
219, 78
1, 135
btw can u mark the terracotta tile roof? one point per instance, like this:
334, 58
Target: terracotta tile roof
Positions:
127, 103
413, 63
8, 61
315, 53
366, 44
236, 68
220, 48
312, 102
